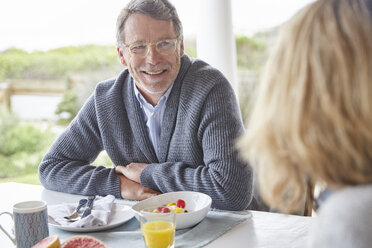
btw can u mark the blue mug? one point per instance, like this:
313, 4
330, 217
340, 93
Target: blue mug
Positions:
30, 223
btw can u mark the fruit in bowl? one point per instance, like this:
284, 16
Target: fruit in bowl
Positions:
178, 208
197, 205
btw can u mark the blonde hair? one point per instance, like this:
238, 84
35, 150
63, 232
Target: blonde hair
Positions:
312, 121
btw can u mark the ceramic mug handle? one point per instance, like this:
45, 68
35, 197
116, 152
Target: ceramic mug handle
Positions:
12, 238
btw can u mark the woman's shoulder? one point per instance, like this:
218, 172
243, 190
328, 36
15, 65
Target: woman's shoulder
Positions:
344, 219
346, 200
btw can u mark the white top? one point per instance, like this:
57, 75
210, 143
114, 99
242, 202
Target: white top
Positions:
345, 220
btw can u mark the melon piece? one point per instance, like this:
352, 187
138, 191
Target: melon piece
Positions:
83, 241
48, 242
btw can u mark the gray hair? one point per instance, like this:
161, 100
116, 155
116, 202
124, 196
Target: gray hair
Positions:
158, 9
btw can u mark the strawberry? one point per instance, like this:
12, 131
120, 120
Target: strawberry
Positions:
181, 203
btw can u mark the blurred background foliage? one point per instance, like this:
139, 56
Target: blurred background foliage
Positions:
61, 62
22, 145
68, 108
80, 68
56, 63
256, 50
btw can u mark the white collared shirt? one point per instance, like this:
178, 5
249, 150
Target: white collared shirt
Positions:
153, 115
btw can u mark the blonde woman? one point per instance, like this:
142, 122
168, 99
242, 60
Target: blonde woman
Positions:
312, 120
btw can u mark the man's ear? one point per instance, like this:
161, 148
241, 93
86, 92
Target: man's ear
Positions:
121, 56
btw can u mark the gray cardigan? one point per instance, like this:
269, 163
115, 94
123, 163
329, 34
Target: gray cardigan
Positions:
201, 123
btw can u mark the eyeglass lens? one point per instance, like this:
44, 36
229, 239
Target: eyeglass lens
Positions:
164, 47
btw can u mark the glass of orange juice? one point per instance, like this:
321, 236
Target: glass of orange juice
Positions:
158, 229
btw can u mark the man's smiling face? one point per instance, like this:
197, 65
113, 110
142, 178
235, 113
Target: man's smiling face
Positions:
154, 73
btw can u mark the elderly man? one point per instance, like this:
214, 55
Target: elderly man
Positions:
168, 122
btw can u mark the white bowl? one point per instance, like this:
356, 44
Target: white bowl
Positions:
197, 204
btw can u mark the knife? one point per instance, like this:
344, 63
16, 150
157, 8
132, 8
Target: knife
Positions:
88, 209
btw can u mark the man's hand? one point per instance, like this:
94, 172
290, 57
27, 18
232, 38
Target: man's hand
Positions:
134, 191
132, 171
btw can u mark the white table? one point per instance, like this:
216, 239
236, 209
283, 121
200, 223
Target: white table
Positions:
269, 230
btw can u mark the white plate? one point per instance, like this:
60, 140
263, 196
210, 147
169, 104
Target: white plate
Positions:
120, 214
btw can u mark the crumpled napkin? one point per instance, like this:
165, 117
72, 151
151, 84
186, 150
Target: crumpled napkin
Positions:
99, 217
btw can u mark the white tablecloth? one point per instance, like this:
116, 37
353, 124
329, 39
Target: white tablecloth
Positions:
269, 230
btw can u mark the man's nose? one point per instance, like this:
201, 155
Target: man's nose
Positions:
152, 55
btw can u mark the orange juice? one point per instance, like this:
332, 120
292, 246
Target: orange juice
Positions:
159, 234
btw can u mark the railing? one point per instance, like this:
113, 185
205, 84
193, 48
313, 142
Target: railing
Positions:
30, 87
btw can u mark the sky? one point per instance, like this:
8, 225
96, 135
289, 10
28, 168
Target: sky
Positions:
45, 24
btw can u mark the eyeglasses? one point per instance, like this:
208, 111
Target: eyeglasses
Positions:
141, 49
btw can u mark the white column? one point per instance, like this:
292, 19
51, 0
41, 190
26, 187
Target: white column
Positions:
215, 41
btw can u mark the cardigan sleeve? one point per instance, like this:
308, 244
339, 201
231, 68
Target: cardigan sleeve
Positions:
66, 166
